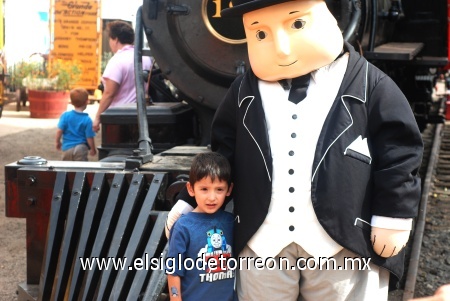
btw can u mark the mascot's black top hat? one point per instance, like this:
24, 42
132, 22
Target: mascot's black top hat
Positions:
241, 7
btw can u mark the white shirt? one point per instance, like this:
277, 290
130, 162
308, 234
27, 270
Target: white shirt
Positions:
293, 134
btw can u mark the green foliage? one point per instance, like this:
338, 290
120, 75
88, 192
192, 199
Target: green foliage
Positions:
57, 75
18, 72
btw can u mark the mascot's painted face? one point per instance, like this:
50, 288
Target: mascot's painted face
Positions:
290, 39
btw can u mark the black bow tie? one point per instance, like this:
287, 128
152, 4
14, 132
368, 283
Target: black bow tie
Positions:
299, 86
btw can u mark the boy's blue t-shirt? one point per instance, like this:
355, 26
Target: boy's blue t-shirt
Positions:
76, 127
198, 236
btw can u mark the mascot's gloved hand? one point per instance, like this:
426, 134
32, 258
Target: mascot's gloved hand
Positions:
388, 242
181, 207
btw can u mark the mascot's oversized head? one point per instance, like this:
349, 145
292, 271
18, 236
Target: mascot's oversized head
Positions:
287, 39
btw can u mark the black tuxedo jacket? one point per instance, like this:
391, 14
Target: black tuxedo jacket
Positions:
347, 188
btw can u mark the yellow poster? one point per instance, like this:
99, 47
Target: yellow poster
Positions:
77, 37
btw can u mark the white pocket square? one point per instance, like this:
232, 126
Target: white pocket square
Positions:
359, 150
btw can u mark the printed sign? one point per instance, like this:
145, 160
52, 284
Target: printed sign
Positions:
77, 37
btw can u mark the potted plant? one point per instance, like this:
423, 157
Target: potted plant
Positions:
48, 84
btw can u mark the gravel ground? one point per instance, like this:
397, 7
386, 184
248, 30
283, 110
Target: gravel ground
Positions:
434, 263
21, 136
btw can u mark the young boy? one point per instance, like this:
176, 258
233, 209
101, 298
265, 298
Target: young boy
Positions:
203, 236
75, 128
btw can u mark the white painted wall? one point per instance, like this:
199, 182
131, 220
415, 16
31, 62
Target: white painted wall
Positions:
119, 9
25, 31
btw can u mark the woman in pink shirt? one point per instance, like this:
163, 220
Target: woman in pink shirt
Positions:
118, 78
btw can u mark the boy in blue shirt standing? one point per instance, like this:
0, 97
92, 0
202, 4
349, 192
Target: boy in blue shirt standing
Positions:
203, 236
75, 129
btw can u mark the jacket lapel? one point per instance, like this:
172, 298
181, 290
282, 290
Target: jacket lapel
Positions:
253, 119
339, 120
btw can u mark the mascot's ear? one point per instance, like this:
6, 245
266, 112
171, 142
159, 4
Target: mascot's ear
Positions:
292, 38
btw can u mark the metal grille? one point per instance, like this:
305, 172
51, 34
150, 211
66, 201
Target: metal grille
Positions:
109, 217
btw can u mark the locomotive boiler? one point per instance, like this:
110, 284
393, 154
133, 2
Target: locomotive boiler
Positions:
115, 208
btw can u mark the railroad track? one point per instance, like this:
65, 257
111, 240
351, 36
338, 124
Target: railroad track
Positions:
434, 263
428, 256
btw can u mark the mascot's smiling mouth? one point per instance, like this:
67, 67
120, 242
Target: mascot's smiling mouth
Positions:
288, 64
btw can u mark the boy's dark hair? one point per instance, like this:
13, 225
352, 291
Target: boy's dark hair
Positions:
122, 31
78, 97
210, 164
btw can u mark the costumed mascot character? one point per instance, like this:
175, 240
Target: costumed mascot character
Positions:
325, 153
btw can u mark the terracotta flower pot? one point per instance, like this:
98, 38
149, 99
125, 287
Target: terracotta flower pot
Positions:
47, 104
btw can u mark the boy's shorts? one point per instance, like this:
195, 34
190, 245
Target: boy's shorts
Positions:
77, 153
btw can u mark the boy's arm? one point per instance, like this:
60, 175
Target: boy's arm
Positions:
174, 283
91, 143
58, 139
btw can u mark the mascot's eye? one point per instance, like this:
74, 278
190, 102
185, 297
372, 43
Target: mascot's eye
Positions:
298, 24
260, 35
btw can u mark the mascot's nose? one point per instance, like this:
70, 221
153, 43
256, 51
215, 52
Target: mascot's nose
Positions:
282, 43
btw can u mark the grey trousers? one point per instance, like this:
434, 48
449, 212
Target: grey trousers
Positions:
305, 280
77, 153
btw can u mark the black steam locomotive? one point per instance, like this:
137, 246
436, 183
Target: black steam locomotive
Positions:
200, 53
115, 208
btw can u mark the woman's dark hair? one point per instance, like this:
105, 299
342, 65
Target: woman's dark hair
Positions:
122, 31
212, 165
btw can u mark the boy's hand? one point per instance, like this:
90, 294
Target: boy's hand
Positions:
58, 145
92, 152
